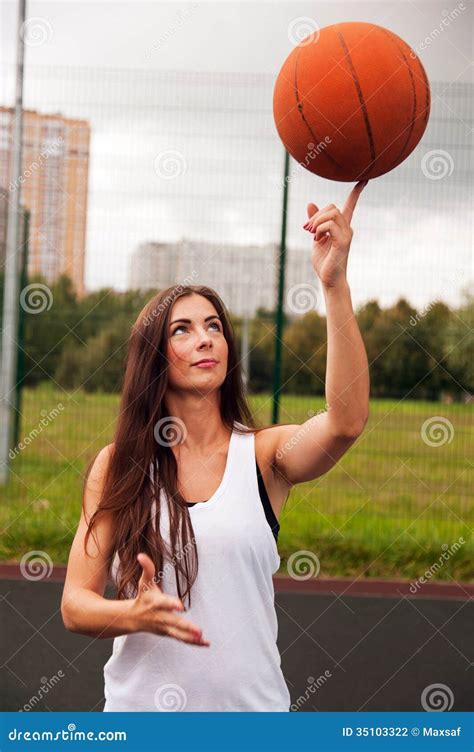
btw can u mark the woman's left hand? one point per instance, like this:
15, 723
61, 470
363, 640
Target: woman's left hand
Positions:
332, 237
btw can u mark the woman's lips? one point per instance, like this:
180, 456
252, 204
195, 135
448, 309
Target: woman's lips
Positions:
206, 364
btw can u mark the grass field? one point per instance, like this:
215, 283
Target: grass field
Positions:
390, 507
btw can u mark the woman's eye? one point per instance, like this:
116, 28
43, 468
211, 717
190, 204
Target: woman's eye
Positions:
212, 323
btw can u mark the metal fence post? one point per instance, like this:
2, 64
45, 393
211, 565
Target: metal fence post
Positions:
279, 314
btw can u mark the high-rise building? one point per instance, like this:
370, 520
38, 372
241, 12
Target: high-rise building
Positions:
54, 180
246, 277
4, 229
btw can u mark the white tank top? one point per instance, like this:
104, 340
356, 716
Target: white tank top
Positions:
232, 600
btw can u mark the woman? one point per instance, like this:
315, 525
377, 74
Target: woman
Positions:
185, 436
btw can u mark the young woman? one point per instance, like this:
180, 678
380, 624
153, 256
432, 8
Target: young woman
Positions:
183, 506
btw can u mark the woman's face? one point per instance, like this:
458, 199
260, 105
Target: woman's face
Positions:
198, 336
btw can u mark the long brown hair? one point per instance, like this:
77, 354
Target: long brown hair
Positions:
128, 492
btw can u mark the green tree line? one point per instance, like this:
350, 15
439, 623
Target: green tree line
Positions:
81, 343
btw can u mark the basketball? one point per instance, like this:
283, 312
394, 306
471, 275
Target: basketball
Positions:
351, 101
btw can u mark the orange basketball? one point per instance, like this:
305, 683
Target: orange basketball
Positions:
351, 101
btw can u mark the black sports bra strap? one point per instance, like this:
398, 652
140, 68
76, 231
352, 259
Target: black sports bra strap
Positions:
269, 513
268, 509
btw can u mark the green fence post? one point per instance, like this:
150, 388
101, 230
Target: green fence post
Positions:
279, 314
20, 362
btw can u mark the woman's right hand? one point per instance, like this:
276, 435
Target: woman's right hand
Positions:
153, 610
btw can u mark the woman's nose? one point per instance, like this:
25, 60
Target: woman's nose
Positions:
204, 338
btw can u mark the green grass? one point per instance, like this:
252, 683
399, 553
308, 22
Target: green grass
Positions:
385, 510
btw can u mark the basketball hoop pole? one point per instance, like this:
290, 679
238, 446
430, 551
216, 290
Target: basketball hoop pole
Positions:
279, 313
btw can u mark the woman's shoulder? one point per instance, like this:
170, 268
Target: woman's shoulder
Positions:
266, 440
107, 450
266, 443
99, 462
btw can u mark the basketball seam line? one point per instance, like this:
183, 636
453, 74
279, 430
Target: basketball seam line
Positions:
299, 107
361, 99
397, 159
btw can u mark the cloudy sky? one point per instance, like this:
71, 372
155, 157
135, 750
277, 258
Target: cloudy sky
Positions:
195, 80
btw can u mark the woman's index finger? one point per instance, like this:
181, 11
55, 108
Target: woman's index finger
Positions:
352, 199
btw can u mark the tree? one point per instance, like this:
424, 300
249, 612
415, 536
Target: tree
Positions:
50, 315
460, 343
431, 334
262, 353
99, 365
397, 363
304, 355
